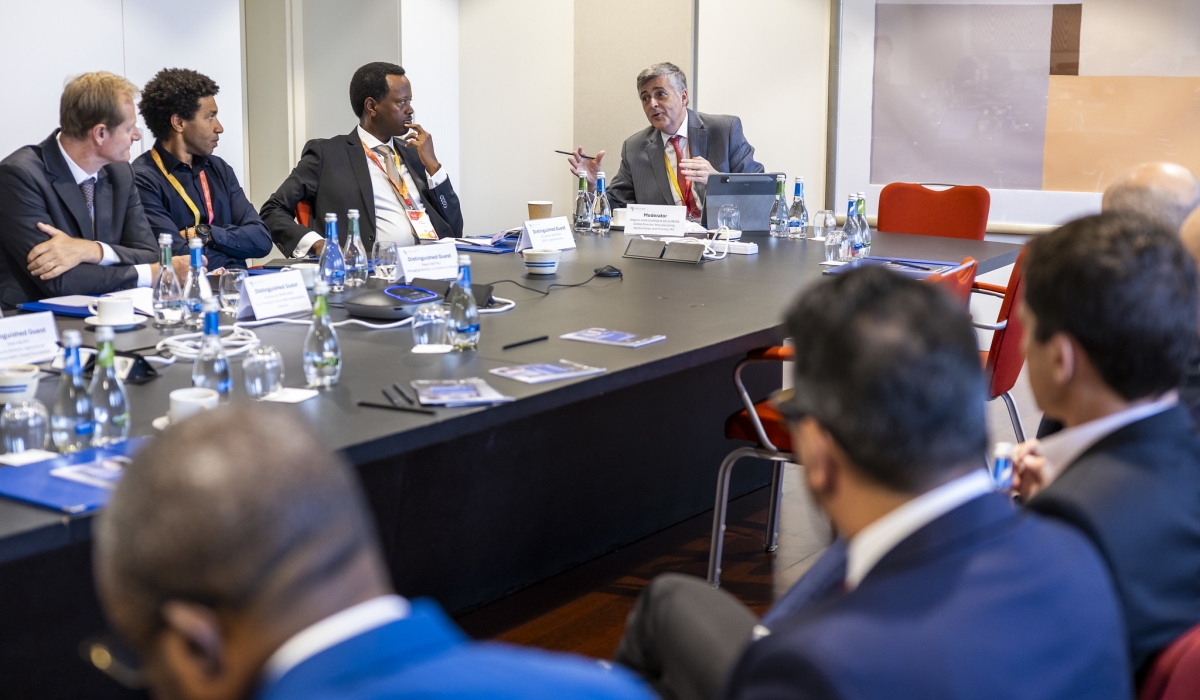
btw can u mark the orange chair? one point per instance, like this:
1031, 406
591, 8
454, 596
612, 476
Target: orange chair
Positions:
1175, 674
959, 212
303, 212
1003, 360
762, 423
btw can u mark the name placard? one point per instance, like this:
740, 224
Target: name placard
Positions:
266, 296
547, 234
28, 338
655, 220
431, 262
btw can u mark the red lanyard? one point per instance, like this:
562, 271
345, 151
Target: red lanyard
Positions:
207, 196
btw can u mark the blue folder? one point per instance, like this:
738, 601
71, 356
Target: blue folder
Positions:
34, 484
909, 267
72, 311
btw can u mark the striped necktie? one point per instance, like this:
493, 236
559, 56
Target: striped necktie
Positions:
88, 187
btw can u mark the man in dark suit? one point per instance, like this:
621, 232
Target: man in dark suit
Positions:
938, 587
242, 573
71, 221
670, 161
386, 169
1110, 311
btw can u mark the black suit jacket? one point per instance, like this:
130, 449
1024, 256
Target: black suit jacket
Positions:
333, 175
36, 185
1136, 494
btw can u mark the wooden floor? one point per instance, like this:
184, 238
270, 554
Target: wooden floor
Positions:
583, 610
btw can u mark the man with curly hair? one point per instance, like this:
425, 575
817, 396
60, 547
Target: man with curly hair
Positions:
186, 190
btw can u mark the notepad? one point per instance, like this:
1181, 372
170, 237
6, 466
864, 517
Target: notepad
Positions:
76, 483
547, 371
457, 392
603, 336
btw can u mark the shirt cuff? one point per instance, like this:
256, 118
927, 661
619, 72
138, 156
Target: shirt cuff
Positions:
437, 178
143, 272
110, 256
305, 243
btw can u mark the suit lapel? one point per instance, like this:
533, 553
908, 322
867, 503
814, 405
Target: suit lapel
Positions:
64, 185
103, 201
697, 148
358, 164
658, 164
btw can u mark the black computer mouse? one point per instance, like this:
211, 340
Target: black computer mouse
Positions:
390, 303
608, 271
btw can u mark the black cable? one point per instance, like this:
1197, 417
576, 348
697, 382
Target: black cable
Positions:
546, 292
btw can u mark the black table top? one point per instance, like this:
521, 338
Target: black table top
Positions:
706, 311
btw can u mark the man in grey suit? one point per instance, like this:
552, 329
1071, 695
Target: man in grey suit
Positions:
670, 161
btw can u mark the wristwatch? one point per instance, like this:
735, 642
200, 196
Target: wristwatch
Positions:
201, 231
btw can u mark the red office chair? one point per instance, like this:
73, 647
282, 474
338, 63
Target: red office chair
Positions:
959, 212
1175, 674
762, 423
1003, 360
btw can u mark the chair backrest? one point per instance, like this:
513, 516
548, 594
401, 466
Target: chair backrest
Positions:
303, 212
1175, 674
1005, 357
957, 280
959, 212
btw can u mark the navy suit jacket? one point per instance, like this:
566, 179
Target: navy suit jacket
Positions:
983, 602
426, 656
36, 185
333, 174
1136, 494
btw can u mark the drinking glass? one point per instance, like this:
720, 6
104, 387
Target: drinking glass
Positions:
429, 325
833, 246
24, 425
729, 217
821, 224
262, 370
385, 256
230, 288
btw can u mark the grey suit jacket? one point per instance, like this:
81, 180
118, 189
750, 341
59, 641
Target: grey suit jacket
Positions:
36, 186
642, 178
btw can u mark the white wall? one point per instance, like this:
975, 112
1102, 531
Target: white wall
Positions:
516, 96
429, 46
134, 38
779, 89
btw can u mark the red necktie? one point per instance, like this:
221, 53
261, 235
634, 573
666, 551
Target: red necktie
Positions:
684, 185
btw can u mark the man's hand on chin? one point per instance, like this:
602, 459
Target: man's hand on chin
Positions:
60, 253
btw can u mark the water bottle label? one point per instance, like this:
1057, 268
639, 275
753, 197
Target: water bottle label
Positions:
1002, 473
85, 428
224, 386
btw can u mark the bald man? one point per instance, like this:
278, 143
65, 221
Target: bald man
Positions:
1167, 192
242, 573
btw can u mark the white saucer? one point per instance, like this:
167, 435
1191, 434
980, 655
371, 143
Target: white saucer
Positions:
161, 423
95, 321
432, 349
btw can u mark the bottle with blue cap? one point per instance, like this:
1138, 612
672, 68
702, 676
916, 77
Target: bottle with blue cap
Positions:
211, 368
601, 208
195, 288
71, 421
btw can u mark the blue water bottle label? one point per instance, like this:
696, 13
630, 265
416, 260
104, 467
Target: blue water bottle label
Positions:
1002, 473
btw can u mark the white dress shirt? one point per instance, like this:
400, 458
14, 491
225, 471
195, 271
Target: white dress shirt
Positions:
1064, 447
670, 150
865, 549
110, 256
391, 217
332, 631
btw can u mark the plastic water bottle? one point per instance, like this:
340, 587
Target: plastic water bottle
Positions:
863, 227
853, 234
463, 325
167, 299
195, 288
211, 368
71, 425
779, 210
1002, 465
798, 215
601, 209
322, 352
110, 403
583, 207
355, 254
333, 267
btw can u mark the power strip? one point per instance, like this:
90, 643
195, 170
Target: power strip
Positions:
735, 247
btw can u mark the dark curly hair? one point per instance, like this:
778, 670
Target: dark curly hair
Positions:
173, 91
370, 81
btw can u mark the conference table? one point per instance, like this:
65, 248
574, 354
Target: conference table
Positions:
474, 503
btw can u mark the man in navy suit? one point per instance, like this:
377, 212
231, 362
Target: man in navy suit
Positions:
1110, 312
938, 587
238, 572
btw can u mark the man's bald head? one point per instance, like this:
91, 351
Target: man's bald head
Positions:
1165, 192
238, 509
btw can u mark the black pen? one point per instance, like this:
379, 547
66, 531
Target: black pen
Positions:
568, 153
405, 409
908, 265
406, 397
519, 343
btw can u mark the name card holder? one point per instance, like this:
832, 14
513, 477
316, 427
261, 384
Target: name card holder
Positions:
436, 262
655, 220
267, 296
28, 338
547, 234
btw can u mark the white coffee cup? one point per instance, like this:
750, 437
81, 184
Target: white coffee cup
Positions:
188, 402
113, 311
18, 383
309, 271
541, 262
618, 217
